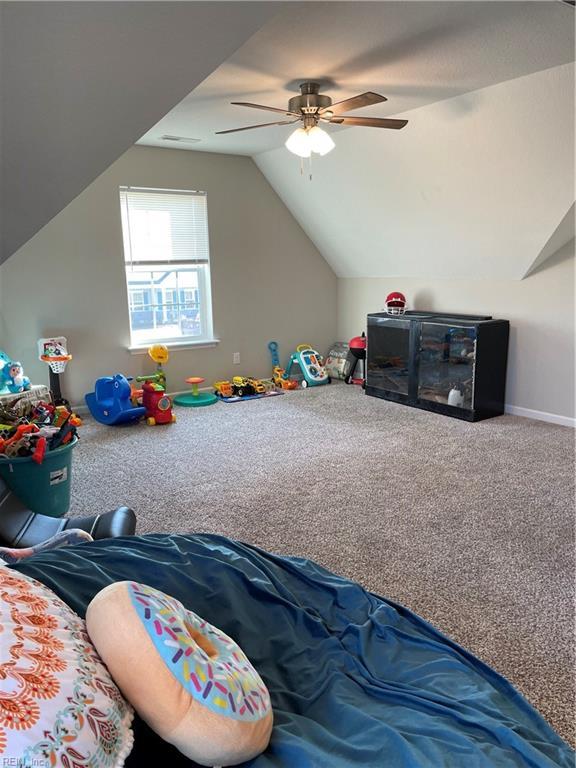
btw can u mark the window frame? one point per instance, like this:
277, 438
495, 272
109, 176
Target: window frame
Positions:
172, 268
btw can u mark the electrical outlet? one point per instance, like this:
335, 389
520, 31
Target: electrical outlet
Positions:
236, 358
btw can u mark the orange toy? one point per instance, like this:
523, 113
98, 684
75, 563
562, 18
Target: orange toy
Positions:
62, 413
22, 430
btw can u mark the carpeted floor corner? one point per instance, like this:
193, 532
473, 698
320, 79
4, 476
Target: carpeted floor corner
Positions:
469, 525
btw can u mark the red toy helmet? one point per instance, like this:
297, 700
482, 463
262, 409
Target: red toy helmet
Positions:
395, 303
358, 342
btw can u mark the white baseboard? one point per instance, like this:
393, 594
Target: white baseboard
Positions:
529, 413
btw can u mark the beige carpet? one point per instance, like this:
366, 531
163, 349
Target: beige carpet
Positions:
469, 525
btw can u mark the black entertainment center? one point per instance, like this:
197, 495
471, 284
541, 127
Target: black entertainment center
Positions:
448, 363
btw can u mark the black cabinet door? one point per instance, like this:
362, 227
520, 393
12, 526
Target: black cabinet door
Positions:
446, 364
388, 354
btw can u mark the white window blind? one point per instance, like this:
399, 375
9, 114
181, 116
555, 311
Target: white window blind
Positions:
164, 226
167, 264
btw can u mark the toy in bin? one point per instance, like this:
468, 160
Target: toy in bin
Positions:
356, 354
311, 364
35, 456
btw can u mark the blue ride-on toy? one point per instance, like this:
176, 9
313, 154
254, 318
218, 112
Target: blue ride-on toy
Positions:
110, 402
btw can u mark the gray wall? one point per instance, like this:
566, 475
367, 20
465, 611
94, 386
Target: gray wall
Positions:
541, 313
268, 280
81, 82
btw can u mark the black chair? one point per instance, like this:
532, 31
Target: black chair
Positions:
19, 527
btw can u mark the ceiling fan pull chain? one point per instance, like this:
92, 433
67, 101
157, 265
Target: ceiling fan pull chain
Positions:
310, 167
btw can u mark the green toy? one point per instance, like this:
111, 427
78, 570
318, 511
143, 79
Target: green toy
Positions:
195, 399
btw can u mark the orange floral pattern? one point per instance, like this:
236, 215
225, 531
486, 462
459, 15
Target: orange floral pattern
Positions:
57, 700
20, 713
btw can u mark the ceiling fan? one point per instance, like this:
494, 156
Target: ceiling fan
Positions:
311, 108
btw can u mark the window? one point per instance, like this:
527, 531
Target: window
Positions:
166, 256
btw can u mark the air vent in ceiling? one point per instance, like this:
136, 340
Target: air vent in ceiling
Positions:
179, 139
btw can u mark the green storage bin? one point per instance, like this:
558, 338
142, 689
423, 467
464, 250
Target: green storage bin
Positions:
43, 488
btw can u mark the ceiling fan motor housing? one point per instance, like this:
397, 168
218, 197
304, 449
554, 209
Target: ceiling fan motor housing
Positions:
309, 101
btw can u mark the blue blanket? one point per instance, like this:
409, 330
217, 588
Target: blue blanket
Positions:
355, 680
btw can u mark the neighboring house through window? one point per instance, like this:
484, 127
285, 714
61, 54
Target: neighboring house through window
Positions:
167, 262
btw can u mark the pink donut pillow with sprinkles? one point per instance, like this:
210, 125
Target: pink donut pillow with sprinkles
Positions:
189, 681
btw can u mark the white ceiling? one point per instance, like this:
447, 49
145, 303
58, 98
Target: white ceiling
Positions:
415, 53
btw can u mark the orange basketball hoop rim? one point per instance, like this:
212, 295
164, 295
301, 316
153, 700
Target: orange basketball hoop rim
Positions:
56, 362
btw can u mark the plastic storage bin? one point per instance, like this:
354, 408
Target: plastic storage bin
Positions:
43, 488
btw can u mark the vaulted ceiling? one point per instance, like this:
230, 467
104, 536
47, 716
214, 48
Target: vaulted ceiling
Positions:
479, 184
414, 53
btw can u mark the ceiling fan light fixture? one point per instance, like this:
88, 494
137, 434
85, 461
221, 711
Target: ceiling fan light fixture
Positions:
320, 141
304, 141
298, 143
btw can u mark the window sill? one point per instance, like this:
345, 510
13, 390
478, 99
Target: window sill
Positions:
176, 345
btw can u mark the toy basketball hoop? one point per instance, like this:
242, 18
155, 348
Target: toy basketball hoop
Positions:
55, 353
57, 364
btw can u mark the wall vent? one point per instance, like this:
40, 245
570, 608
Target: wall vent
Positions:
179, 139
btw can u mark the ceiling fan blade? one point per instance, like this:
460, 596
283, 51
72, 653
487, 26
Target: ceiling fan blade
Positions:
372, 122
261, 125
261, 106
356, 102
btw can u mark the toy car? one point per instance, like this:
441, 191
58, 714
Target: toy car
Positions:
280, 381
259, 387
242, 386
223, 389
157, 403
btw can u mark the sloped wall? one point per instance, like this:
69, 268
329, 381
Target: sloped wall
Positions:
472, 188
268, 280
81, 82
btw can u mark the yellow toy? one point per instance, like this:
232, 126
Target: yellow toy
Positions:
280, 381
159, 354
259, 387
223, 388
62, 414
244, 385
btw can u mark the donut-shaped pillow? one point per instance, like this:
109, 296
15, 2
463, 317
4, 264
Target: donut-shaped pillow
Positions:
189, 681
